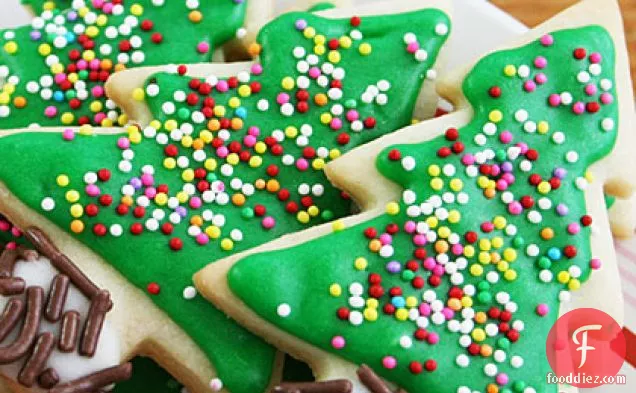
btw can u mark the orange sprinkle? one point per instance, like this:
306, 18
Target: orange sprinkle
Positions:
198, 144
195, 16
321, 99
19, 102
238, 199
490, 193
485, 350
254, 49
236, 124
375, 245
492, 388
273, 185
106, 65
127, 200
214, 125
547, 233
259, 184
481, 317
120, 67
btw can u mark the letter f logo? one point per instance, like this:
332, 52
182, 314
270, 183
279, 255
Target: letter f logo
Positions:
583, 344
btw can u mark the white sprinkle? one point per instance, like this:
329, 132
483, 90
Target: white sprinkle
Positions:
48, 204
283, 310
189, 293
441, 29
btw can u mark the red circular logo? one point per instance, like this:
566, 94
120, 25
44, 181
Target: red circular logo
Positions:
585, 348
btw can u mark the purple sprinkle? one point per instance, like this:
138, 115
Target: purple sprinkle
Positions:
71, 16
507, 166
35, 35
562, 209
181, 211
560, 173
393, 267
301, 24
136, 183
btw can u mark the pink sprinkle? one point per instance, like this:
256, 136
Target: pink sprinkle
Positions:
147, 180
410, 226
352, 115
202, 239
412, 47
448, 314
433, 338
257, 69
335, 124
99, 117
94, 64
4, 225
429, 263
596, 263
515, 208
389, 362
338, 342
419, 240
314, 72
540, 62
596, 58
59, 78
505, 137
302, 164
543, 309
268, 222
425, 309
457, 249
578, 108
282, 98
203, 47
554, 100
501, 185
487, 226
50, 111
254, 131
92, 190
574, 228
249, 140
68, 135
16, 232
222, 151
11, 246
468, 159
438, 270
541, 78
97, 91
222, 86
82, 64
123, 143
385, 239
502, 379
590, 90
607, 98
195, 202
108, 8
523, 147
150, 192
98, 3
529, 86
509, 178
547, 40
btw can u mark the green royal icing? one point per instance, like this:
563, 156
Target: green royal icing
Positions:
244, 362
34, 63
297, 289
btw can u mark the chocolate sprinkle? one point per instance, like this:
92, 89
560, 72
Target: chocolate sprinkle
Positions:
96, 381
57, 298
37, 361
46, 247
371, 380
69, 331
94, 322
10, 286
10, 317
19, 348
48, 378
8, 259
335, 386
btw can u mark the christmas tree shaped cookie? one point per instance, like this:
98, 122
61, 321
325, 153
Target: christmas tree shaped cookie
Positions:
498, 219
237, 163
52, 72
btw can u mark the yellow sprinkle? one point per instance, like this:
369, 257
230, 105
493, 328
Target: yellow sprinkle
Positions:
503, 266
365, 49
485, 245
444, 232
44, 49
563, 277
320, 50
434, 170
334, 153
544, 187
432, 222
291, 132
227, 244
337, 225
510, 254
370, 314
72, 196
574, 284
182, 197
495, 116
318, 164
373, 303
335, 290
136, 9
68, 118
476, 270
77, 210
210, 164
255, 161
313, 211
510, 275
345, 42
11, 47
392, 208
411, 302
484, 257
543, 127
288, 83
469, 251
510, 70
334, 57
86, 129
325, 118
478, 335
233, 159
62, 180
303, 217
213, 231
456, 185
138, 94
245, 91
497, 242
360, 263
161, 199
402, 314
589, 176
437, 183
169, 163
454, 216
92, 31
309, 32
467, 301
187, 175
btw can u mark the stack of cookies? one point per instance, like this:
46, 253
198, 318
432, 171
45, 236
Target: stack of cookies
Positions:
191, 189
